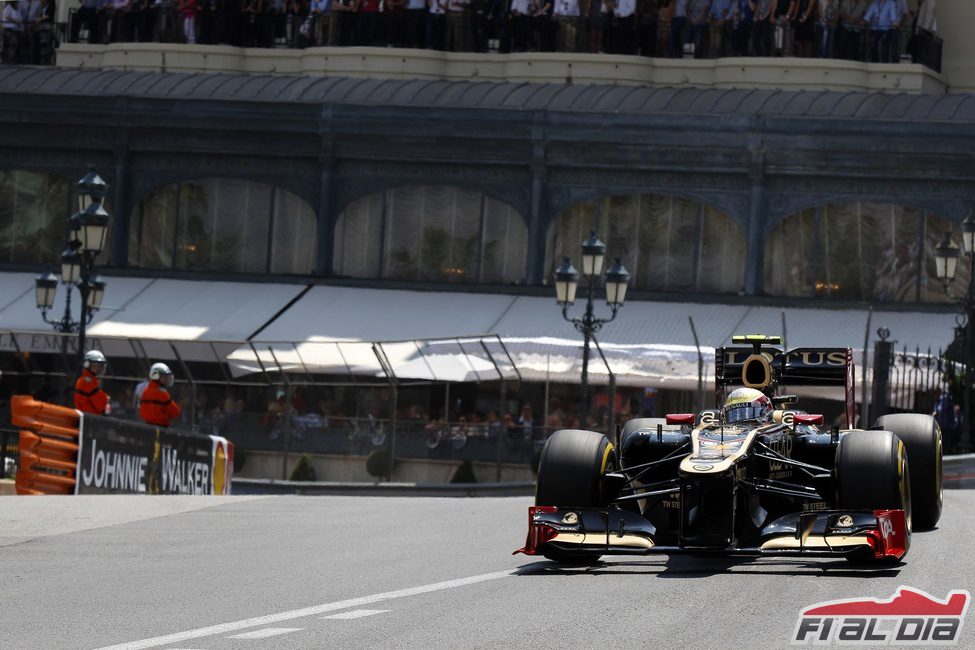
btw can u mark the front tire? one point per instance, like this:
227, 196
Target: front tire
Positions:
570, 475
872, 473
922, 438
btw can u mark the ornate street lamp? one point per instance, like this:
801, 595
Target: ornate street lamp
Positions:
566, 284
87, 234
946, 255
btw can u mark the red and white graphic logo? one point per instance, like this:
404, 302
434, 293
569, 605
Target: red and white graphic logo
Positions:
909, 617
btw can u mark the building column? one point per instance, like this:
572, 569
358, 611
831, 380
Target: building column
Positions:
121, 221
755, 257
536, 238
326, 224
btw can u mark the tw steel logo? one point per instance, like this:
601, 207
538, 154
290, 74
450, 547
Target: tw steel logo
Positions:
909, 617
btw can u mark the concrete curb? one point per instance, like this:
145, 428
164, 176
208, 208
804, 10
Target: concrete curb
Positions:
267, 486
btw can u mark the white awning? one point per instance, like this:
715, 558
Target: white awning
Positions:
649, 344
175, 310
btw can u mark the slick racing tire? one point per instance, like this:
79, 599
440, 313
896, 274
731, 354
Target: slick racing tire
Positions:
922, 436
872, 473
570, 474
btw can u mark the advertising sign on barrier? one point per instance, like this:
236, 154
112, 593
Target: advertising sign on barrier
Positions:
121, 457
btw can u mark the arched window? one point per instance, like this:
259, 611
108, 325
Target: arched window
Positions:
857, 251
223, 224
666, 243
34, 209
431, 233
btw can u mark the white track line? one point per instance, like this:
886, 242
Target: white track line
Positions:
357, 613
178, 637
265, 633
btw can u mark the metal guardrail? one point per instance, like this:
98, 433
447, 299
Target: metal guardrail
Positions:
265, 486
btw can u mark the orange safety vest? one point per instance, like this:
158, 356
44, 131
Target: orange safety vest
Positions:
88, 395
156, 406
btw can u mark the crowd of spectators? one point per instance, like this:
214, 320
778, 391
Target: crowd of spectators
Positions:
872, 30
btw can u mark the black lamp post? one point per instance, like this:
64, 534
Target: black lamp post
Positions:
86, 240
566, 284
946, 255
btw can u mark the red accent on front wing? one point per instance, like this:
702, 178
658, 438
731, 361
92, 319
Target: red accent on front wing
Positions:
889, 538
537, 533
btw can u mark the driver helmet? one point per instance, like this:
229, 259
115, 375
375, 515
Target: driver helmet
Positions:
747, 404
160, 372
95, 361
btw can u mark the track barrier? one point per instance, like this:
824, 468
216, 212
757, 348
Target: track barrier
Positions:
63, 451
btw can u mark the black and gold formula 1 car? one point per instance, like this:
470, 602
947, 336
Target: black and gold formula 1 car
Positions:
751, 478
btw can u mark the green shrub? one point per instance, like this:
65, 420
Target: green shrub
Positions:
464, 473
304, 470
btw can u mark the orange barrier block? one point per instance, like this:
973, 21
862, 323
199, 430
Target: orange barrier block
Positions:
48, 447
31, 414
29, 460
43, 482
47, 464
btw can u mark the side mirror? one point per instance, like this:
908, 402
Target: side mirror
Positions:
680, 418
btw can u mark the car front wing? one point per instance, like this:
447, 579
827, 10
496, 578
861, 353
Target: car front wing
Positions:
873, 534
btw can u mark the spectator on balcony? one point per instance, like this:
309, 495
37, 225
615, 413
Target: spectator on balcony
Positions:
518, 19
624, 26
591, 11
828, 14
881, 16
742, 19
543, 35
903, 18
849, 36
205, 10
143, 16
675, 41
762, 30
122, 21
698, 15
343, 15
321, 17
803, 23
646, 27
87, 15
250, 18
45, 32
785, 11
394, 22
566, 15
437, 22
720, 28
367, 15
416, 19
922, 39
295, 13
455, 25
187, 10
275, 12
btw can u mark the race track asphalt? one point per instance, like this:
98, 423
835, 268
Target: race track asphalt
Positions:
203, 572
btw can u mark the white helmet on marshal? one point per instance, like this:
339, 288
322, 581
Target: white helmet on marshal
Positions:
95, 361
160, 372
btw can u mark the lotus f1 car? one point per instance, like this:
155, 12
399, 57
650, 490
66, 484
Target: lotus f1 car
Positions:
751, 478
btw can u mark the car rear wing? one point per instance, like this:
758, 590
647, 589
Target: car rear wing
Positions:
762, 365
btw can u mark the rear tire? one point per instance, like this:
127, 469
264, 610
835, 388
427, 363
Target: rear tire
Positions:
921, 436
872, 473
570, 475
